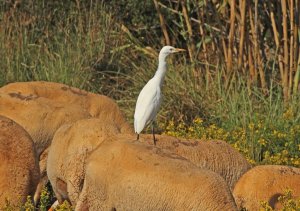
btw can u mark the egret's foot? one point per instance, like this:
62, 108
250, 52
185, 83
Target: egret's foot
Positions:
138, 137
154, 141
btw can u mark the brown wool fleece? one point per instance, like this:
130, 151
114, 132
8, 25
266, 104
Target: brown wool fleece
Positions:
67, 156
43, 107
19, 167
215, 155
266, 183
123, 174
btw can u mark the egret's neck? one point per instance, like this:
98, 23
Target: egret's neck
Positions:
162, 68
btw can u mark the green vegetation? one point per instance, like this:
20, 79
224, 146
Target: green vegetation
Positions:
259, 142
287, 201
46, 201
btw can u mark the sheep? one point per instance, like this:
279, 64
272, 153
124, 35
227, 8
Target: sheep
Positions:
71, 143
70, 140
70, 146
214, 155
75, 141
42, 107
128, 175
40, 117
266, 183
98, 106
19, 167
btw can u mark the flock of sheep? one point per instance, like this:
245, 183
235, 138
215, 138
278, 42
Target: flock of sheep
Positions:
81, 143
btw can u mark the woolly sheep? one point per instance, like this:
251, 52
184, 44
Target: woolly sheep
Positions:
19, 167
214, 155
127, 175
42, 107
266, 183
70, 146
98, 106
70, 142
40, 117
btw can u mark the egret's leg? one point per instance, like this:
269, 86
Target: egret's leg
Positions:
138, 136
154, 140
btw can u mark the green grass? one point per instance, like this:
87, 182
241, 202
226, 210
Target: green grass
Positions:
67, 51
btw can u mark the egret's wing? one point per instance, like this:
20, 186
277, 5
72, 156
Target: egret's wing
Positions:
147, 105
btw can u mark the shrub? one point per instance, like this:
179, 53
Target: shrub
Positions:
288, 202
258, 142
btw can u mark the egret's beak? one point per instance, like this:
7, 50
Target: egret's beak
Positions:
179, 50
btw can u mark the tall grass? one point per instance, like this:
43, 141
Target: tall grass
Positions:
63, 46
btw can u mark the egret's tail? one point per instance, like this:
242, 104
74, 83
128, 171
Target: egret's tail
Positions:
135, 128
138, 126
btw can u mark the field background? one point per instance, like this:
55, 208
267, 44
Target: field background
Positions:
238, 81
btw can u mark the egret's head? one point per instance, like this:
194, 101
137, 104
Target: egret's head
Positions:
166, 50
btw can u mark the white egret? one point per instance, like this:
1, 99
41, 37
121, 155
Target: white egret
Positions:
149, 99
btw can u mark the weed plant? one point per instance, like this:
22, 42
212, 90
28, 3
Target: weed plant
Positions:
287, 201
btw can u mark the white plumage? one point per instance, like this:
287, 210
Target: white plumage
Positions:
149, 99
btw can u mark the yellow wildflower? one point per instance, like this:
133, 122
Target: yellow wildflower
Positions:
251, 126
262, 142
288, 114
198, 120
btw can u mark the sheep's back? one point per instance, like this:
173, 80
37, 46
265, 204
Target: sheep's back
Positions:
215, 155
133, 176
98, 106
266, 183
